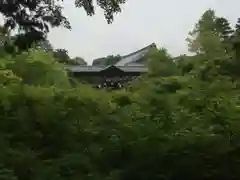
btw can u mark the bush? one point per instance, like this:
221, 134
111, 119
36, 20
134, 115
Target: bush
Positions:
180, 121
38, 68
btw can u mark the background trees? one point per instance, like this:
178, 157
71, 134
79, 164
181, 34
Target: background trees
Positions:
34, 18
105, 61
62, 56
79, 61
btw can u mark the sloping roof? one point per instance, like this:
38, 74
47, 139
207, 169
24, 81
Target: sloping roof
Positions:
135, 64
142, 69
79, 68
133, 57
127, 63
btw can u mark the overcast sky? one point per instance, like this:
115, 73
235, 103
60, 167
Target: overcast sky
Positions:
141, 22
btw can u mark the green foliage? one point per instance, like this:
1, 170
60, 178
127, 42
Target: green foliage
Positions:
44, 45
106, 61
38, 68
210, 32
78, 61
161, 63
7, 77
34, 18
179, 121
61, 55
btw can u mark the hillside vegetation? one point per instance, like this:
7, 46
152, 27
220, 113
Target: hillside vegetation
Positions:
180, 121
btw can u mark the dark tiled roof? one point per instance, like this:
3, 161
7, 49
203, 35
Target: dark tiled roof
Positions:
135, 56
133, 68
79, 68
126, 64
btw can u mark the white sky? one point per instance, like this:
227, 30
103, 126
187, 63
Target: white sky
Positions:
142, 22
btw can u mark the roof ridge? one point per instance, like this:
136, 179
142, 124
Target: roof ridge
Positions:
128, 58
130, 54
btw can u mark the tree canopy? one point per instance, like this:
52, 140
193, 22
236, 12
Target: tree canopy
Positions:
34, 18
105, 61
179, 121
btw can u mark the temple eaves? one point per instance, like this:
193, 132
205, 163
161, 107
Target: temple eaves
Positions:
78, 69
128, 63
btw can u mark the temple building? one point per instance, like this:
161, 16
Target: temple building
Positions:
114, 76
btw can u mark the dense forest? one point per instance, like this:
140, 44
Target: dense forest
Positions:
179, 121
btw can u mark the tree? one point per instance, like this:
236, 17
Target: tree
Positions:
236, 40
61, 55
38, 68
210, 26
204, 27
105, 61
161, 64
78, 61
224, 28
3, 36
211, 41
6, 45
237, 26
173, 126
45, 45
34, 18
99, 62
225, 32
